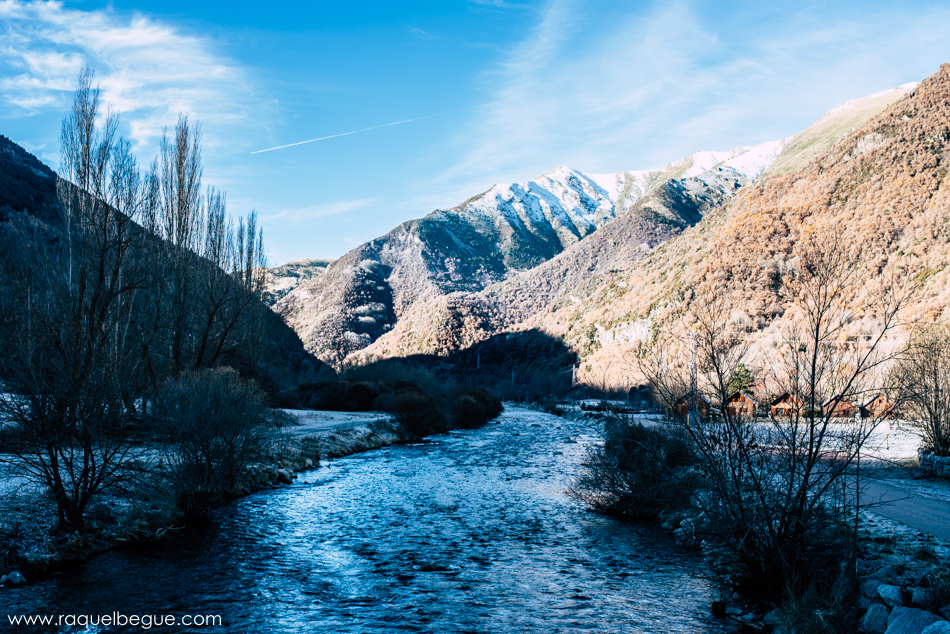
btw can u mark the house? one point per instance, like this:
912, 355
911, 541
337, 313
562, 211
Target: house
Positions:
703, 406
838, 407
876, 407
786, 405
741, 404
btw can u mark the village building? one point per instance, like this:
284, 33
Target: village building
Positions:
838, 407
786, 406
703, 406
741, 404
875, 407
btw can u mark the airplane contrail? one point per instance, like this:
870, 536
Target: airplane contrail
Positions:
333, 136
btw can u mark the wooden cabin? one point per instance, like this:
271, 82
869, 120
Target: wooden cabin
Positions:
876, 407
703, 406
838, 407
786, 406
741, 404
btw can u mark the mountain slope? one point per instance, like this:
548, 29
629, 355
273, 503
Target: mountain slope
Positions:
502, 233
545, 295
30, 211
881, 193
283, 279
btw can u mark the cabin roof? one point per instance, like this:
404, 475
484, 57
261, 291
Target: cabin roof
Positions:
840, 399
685, 397
746, 396
785, 396
872, 399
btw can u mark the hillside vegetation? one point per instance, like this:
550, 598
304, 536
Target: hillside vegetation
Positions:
880, 194
281, 280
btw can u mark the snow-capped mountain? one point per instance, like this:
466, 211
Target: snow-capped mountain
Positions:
504, 232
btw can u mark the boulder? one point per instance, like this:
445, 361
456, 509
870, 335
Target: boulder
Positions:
909, 621
923, 598
875, 620
284, 476
923, 581
867, 593
16, 579
940, 627
885, 573
892, 596
944, 612
3, 580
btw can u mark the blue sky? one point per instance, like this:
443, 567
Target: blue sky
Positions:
503, 90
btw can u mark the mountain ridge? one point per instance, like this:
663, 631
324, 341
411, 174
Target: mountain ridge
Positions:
499, 234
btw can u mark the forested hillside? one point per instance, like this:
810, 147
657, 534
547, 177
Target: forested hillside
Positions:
881, 195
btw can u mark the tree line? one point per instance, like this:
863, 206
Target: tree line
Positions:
140, 277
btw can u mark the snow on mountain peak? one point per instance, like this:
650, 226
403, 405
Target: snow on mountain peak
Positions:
749, 160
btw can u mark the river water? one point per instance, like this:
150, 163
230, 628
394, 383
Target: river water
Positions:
468, 532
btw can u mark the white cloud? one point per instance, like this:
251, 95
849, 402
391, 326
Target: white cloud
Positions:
148, 71
291, 217
604, 89
501, 4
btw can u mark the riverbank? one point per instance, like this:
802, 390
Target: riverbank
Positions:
903, 546
468, 531
139, 513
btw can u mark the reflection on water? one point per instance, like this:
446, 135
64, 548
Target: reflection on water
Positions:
470, 532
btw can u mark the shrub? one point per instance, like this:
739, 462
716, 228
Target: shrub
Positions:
638, 472
211, 423
415, 414
474, 406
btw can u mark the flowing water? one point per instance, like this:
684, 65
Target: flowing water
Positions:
469, 532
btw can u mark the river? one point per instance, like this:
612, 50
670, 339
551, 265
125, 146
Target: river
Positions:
467, 532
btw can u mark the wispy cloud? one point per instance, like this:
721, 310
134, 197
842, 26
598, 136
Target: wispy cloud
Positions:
501, 4
603, 89
290, 217
147, 70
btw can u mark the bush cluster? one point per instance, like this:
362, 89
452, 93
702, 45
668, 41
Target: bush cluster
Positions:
420, 402
638, 472
211, 424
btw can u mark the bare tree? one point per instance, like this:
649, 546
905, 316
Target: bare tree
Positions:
69, 361
180, 224
773, 488
922, 375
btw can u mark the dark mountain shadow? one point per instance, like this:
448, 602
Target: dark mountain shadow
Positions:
526, 365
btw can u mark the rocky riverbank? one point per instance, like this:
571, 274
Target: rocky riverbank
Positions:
140, 513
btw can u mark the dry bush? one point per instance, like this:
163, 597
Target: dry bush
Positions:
211, 425
415, 413
473, 406
639, 472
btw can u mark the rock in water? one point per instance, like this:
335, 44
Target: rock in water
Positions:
16, 579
